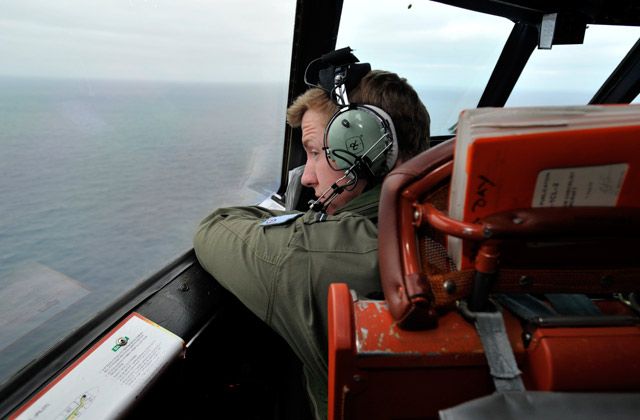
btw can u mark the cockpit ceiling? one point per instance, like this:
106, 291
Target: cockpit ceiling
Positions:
601, 12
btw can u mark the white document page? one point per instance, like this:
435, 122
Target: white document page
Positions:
107, 379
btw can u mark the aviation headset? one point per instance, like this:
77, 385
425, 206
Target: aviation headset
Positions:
360, 139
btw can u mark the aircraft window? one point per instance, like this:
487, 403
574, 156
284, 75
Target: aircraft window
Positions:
123, 123
572, 74
445, 52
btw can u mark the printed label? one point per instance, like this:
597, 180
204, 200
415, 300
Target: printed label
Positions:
280, 220
587, 186
107, 380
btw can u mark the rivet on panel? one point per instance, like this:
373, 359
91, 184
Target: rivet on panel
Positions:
449, 286
525, 281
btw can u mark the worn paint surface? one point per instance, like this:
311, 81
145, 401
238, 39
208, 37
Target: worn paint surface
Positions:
454, 341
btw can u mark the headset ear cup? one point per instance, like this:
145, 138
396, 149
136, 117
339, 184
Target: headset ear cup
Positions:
364, 136
391, 154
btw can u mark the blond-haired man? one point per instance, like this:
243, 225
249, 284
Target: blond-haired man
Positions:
282, 270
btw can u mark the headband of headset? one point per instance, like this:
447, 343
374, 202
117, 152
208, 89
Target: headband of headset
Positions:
336, 69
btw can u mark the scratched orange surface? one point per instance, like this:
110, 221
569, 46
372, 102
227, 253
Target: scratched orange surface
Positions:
454, 342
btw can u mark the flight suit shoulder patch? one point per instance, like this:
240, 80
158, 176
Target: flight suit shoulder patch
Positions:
283, 219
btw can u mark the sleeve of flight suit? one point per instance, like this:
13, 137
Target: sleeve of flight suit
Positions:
288, 262
242, 255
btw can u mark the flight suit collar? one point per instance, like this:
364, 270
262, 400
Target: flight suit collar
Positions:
365, 204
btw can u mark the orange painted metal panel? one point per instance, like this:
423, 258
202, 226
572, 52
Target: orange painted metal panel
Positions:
455, 341
585, 359
377, 370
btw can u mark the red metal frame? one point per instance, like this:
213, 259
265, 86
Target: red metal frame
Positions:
341, 345
589, 222
378, 370
585, 359
410, 260
372, 362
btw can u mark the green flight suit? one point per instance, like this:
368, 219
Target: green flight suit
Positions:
282, 272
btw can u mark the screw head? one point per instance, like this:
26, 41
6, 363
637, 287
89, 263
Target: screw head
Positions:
525, 281
450, 286
122, 341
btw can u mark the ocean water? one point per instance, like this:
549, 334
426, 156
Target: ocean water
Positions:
102, 183
106, 181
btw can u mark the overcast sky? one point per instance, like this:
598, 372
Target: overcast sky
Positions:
249, 40
193, 40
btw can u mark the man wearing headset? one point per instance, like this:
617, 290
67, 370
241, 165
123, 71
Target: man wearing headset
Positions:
280, 264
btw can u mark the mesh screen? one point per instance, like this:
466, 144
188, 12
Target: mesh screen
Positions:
433, 252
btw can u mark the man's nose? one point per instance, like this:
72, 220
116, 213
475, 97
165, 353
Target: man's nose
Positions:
308, 176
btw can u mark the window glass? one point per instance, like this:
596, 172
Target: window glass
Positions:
572, 74
122, 124
446, 53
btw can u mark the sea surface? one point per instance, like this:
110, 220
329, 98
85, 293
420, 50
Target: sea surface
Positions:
102, 183
105, 181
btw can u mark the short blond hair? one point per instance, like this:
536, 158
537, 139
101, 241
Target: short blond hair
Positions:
314, 98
